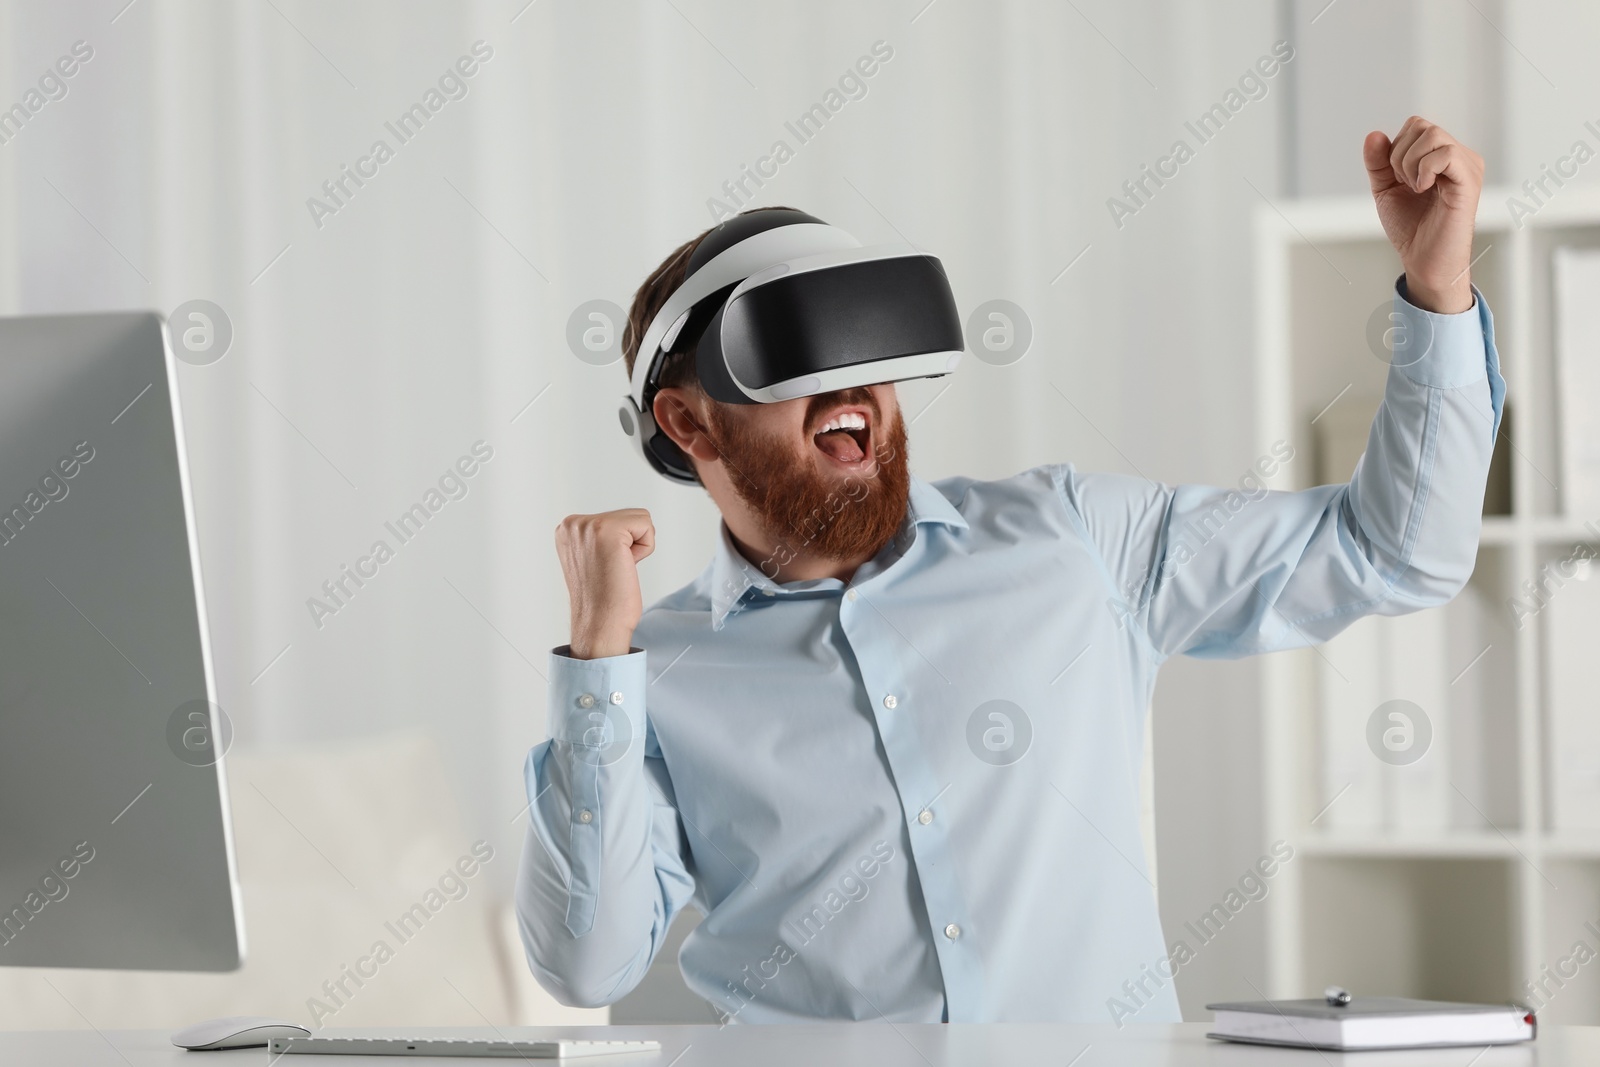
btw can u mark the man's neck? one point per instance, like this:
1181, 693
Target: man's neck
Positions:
800, 568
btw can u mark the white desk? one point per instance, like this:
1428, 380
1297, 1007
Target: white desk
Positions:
830, 1044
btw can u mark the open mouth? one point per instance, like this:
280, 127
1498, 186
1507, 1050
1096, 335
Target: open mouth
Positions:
845, 437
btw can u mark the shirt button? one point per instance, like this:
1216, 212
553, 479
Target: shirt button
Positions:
889, 702
616, 698
952, 931
586, 701
924, 816
851, 595
586, 815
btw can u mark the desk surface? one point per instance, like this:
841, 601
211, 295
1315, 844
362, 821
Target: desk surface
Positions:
900, 1045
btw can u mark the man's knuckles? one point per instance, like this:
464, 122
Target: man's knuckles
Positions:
589, 532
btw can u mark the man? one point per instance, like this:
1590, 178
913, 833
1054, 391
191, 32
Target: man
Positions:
893, 756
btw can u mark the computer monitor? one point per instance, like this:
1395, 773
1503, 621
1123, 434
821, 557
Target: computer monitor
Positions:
115, 846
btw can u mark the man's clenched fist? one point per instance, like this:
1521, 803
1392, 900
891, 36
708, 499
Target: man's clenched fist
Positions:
1426, 185
600, 557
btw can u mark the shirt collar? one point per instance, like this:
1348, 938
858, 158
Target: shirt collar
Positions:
733, 577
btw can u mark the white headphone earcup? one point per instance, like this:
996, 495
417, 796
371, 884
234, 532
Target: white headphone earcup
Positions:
640, 426
629, 415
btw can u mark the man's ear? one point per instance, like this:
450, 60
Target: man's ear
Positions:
678, 414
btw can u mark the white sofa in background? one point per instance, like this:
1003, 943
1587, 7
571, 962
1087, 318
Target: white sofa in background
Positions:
334, 845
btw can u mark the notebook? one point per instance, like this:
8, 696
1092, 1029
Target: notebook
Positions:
1371, 1023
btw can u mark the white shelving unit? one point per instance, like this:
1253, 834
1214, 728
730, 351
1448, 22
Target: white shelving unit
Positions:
1475, 909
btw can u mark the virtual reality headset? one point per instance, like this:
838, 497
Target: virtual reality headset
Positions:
778, 305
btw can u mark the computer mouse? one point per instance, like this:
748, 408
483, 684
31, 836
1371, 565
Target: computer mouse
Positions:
236, 1031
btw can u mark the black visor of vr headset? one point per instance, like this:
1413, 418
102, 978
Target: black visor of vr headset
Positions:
778, 305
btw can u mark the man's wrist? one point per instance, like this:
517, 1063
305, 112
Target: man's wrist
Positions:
600, 646
1449, 299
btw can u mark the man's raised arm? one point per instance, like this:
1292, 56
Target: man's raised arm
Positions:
602, 871
1278, 570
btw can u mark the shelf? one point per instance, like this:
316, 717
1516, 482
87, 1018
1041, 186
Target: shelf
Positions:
1434, 927
1543, 530
1423, 911
1501, 530
1573, 844
1559, 530
1444, 844
1498, 530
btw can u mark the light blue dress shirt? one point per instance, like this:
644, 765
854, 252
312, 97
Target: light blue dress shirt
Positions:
915, 796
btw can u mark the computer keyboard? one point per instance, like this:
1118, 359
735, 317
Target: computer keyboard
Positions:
444, 1046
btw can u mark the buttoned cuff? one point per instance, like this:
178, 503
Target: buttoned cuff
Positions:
1441, 351
592, 701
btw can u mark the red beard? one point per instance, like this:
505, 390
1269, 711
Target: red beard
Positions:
805, 512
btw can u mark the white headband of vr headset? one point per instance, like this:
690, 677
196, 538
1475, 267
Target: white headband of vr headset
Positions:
762, 257
740, 263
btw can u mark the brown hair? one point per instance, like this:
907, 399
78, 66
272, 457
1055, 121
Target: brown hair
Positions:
678, 368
